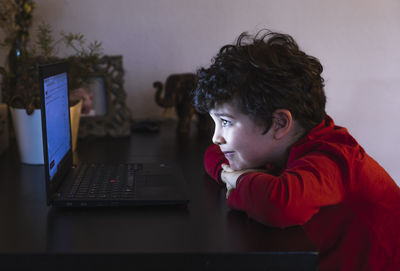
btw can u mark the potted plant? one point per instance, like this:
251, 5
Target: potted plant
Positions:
20, 86
15, 21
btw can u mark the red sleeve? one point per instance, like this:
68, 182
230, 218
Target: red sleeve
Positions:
291, 198
213, 159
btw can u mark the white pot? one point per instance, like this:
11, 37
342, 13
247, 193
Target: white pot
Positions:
28, 130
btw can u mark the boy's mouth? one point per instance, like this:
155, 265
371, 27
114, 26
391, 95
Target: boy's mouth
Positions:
228, 154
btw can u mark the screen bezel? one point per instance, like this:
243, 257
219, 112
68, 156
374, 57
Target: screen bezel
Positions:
52, 186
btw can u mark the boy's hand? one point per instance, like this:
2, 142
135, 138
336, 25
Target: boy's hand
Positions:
230, 176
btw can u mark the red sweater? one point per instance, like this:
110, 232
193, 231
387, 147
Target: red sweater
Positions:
345, 201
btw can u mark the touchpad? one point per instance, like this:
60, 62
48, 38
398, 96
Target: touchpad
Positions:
155, 180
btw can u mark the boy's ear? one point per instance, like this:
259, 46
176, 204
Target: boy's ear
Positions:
282, 122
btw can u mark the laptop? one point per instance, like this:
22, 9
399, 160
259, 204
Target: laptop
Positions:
94, 184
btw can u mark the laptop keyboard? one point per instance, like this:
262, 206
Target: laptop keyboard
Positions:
99, 181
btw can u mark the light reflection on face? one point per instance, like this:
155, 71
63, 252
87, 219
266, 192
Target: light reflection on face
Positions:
242, 141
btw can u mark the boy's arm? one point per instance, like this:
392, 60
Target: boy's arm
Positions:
291, 198
213, 160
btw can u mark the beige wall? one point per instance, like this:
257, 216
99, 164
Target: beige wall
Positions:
357, 41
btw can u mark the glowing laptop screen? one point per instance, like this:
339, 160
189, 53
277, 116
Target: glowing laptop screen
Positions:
57, 119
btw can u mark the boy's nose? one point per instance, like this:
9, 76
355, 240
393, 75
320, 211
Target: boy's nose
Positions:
218, 138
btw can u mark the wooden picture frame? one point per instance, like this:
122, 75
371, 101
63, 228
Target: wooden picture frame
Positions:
115, 119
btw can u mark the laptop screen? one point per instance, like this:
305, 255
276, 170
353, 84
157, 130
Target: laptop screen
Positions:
57, 120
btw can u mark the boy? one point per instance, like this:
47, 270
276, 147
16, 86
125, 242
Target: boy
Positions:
283, 160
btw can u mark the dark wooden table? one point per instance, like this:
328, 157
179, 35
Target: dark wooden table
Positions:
204, 235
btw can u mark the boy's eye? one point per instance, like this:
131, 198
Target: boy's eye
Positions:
225, 122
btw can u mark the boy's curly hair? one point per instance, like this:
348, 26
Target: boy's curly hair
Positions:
261, 74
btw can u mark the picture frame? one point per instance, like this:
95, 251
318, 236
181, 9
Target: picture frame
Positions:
113, 119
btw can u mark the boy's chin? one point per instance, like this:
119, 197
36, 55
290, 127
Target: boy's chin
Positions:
236, 167
242, 166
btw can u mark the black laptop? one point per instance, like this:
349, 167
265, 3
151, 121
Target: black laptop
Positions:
94, 184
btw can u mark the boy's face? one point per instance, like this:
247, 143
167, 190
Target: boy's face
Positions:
242, 141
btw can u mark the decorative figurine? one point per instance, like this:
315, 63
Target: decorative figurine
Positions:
178, 93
